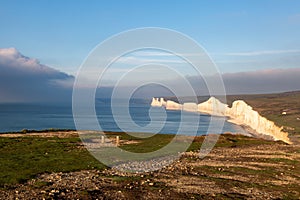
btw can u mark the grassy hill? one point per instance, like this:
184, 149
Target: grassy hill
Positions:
239, 167
270, 106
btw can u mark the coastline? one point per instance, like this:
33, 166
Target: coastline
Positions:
240, 114
71, 132
251, 132
61, 168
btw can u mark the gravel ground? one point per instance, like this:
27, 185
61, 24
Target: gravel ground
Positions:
268, 171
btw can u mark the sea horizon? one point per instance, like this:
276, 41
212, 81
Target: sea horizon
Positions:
16, 117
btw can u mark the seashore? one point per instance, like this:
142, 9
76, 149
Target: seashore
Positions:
240, 114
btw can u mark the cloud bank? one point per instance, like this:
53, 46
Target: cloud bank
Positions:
262, 81
253, 82
24, 79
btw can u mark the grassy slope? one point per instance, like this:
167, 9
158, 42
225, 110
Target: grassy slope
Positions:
22, 158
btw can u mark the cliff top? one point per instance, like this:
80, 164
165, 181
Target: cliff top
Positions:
281, 108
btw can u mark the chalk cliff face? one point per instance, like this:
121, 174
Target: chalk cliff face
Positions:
158, 102
171, 105
243, 114
190, 107
213, 107
240, 113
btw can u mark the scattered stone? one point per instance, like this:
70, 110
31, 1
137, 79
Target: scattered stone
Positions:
189, 177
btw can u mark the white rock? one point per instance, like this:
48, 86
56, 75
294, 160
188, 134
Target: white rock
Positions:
190, 107
240, 113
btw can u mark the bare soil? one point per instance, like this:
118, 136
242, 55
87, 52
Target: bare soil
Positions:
253, 170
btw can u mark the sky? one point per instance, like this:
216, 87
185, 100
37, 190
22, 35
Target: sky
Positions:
250, 36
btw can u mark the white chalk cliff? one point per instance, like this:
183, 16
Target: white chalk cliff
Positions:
156, 102
240, 113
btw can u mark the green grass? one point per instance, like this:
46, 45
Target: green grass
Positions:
125, 178
230, 141
283, 161
41, 184
23, 158
25, 131
145, 145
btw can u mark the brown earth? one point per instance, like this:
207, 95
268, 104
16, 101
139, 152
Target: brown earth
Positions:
250, 169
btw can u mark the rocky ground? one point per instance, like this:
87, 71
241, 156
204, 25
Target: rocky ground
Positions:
250, 170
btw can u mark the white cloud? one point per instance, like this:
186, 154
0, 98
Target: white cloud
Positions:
25, 79
152, 53
262, 53
251, 82
135, 60
263, 81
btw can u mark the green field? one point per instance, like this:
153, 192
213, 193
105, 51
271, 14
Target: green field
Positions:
22, 158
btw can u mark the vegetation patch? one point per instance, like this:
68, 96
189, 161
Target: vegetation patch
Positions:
23, 158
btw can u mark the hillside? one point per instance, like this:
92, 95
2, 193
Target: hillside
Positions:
56, 166
271, 106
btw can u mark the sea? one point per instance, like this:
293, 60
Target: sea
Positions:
139, 117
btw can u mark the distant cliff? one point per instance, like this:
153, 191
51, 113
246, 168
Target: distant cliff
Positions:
240, 113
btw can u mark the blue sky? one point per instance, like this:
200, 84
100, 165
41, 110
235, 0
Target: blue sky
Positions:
239, 35
255, 44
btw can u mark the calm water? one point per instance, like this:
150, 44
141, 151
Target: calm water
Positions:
15, 117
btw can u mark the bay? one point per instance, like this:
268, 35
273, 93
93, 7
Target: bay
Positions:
142, 118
